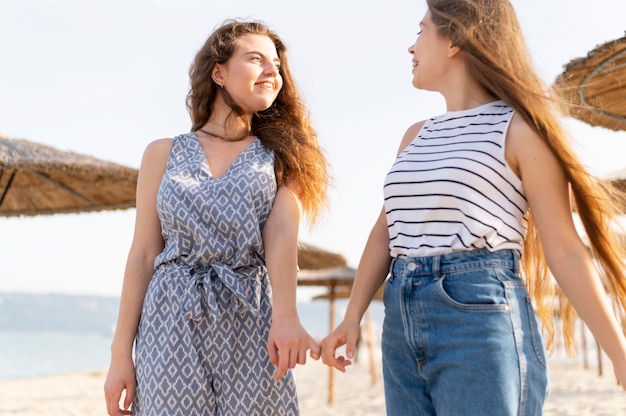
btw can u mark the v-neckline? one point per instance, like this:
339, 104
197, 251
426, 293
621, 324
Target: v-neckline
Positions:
206, 167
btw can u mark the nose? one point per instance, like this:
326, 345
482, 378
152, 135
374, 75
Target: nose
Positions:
411, 49
270, 69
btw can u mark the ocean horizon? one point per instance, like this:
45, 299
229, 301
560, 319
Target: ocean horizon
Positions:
43, 335
30, 347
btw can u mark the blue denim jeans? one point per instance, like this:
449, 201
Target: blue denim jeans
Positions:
460, 338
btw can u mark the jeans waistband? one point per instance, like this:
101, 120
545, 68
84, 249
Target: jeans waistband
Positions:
456, 261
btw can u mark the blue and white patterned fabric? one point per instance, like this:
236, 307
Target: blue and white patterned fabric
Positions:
201, 347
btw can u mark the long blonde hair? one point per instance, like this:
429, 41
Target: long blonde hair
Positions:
285, 127
489, 34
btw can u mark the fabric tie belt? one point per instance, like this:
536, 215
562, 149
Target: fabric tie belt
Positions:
244, 286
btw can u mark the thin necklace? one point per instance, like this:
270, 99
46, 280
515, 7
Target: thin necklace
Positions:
224, 139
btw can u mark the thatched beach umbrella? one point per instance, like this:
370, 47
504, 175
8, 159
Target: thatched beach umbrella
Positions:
596, 85
315, 258
618, 181
38, 180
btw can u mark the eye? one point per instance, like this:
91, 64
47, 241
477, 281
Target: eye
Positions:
419, 33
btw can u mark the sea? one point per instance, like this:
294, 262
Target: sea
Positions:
54, 334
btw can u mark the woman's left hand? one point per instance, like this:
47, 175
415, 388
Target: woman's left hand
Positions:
288, 343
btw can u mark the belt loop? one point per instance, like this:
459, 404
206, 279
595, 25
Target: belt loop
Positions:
436, 266
516, 261
391, 268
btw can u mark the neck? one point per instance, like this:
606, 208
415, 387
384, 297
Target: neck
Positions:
466, 98
224, 137
226, 129
462, 91
225, 124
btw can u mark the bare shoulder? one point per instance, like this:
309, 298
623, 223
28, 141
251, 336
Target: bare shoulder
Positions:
523, 144
410, 134
157, 151
159, 147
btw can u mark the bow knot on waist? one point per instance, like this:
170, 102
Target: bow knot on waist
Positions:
242, 288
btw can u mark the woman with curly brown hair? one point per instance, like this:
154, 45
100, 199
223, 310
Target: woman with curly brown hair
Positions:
471, 193
209, 294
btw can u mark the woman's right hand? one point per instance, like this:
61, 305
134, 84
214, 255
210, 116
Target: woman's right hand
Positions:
120, 378
347, 333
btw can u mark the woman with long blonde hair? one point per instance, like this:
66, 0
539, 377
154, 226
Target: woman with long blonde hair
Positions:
477, 206
209, 294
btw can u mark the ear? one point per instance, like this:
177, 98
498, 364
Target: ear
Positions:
453, 51
218, 74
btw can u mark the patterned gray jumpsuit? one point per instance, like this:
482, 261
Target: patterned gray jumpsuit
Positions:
201, 347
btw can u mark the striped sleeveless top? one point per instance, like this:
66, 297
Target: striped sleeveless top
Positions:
452, 190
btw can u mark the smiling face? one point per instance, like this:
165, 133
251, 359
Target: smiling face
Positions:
251, 76
431, 53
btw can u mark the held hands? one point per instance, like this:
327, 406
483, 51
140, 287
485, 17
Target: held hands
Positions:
121, 376
347, 333
288, 343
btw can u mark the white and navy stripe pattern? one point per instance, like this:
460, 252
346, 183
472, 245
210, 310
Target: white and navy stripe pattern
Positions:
451, 188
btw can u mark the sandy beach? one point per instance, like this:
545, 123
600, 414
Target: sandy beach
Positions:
575, 392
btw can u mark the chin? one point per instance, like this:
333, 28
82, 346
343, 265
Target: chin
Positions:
265, 102
421, 85
416, 84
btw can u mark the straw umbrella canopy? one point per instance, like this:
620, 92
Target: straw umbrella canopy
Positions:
39, 180
315, 258
618, 181
596, 86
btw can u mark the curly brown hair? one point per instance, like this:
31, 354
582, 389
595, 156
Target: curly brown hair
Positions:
285, 127
489, 34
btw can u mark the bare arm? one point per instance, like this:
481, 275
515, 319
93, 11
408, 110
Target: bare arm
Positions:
288, 341
371, 272
546, 188
147, 243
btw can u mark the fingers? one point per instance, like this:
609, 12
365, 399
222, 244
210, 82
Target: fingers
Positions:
113, 391
302, 356
113, 403
287, 357
112, 400
329, 349
280, 358
283, 363
315, 350
128, 399
273, 353
334, 341
351, 345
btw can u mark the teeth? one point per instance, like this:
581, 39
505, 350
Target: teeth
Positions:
267, 84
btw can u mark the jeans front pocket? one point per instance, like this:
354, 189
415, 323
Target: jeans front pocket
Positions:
477, 289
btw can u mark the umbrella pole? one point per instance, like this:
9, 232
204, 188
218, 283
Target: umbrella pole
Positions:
370, 345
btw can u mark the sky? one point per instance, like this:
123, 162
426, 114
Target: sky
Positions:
105, 78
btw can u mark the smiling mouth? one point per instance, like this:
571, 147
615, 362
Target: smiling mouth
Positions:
266, 84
